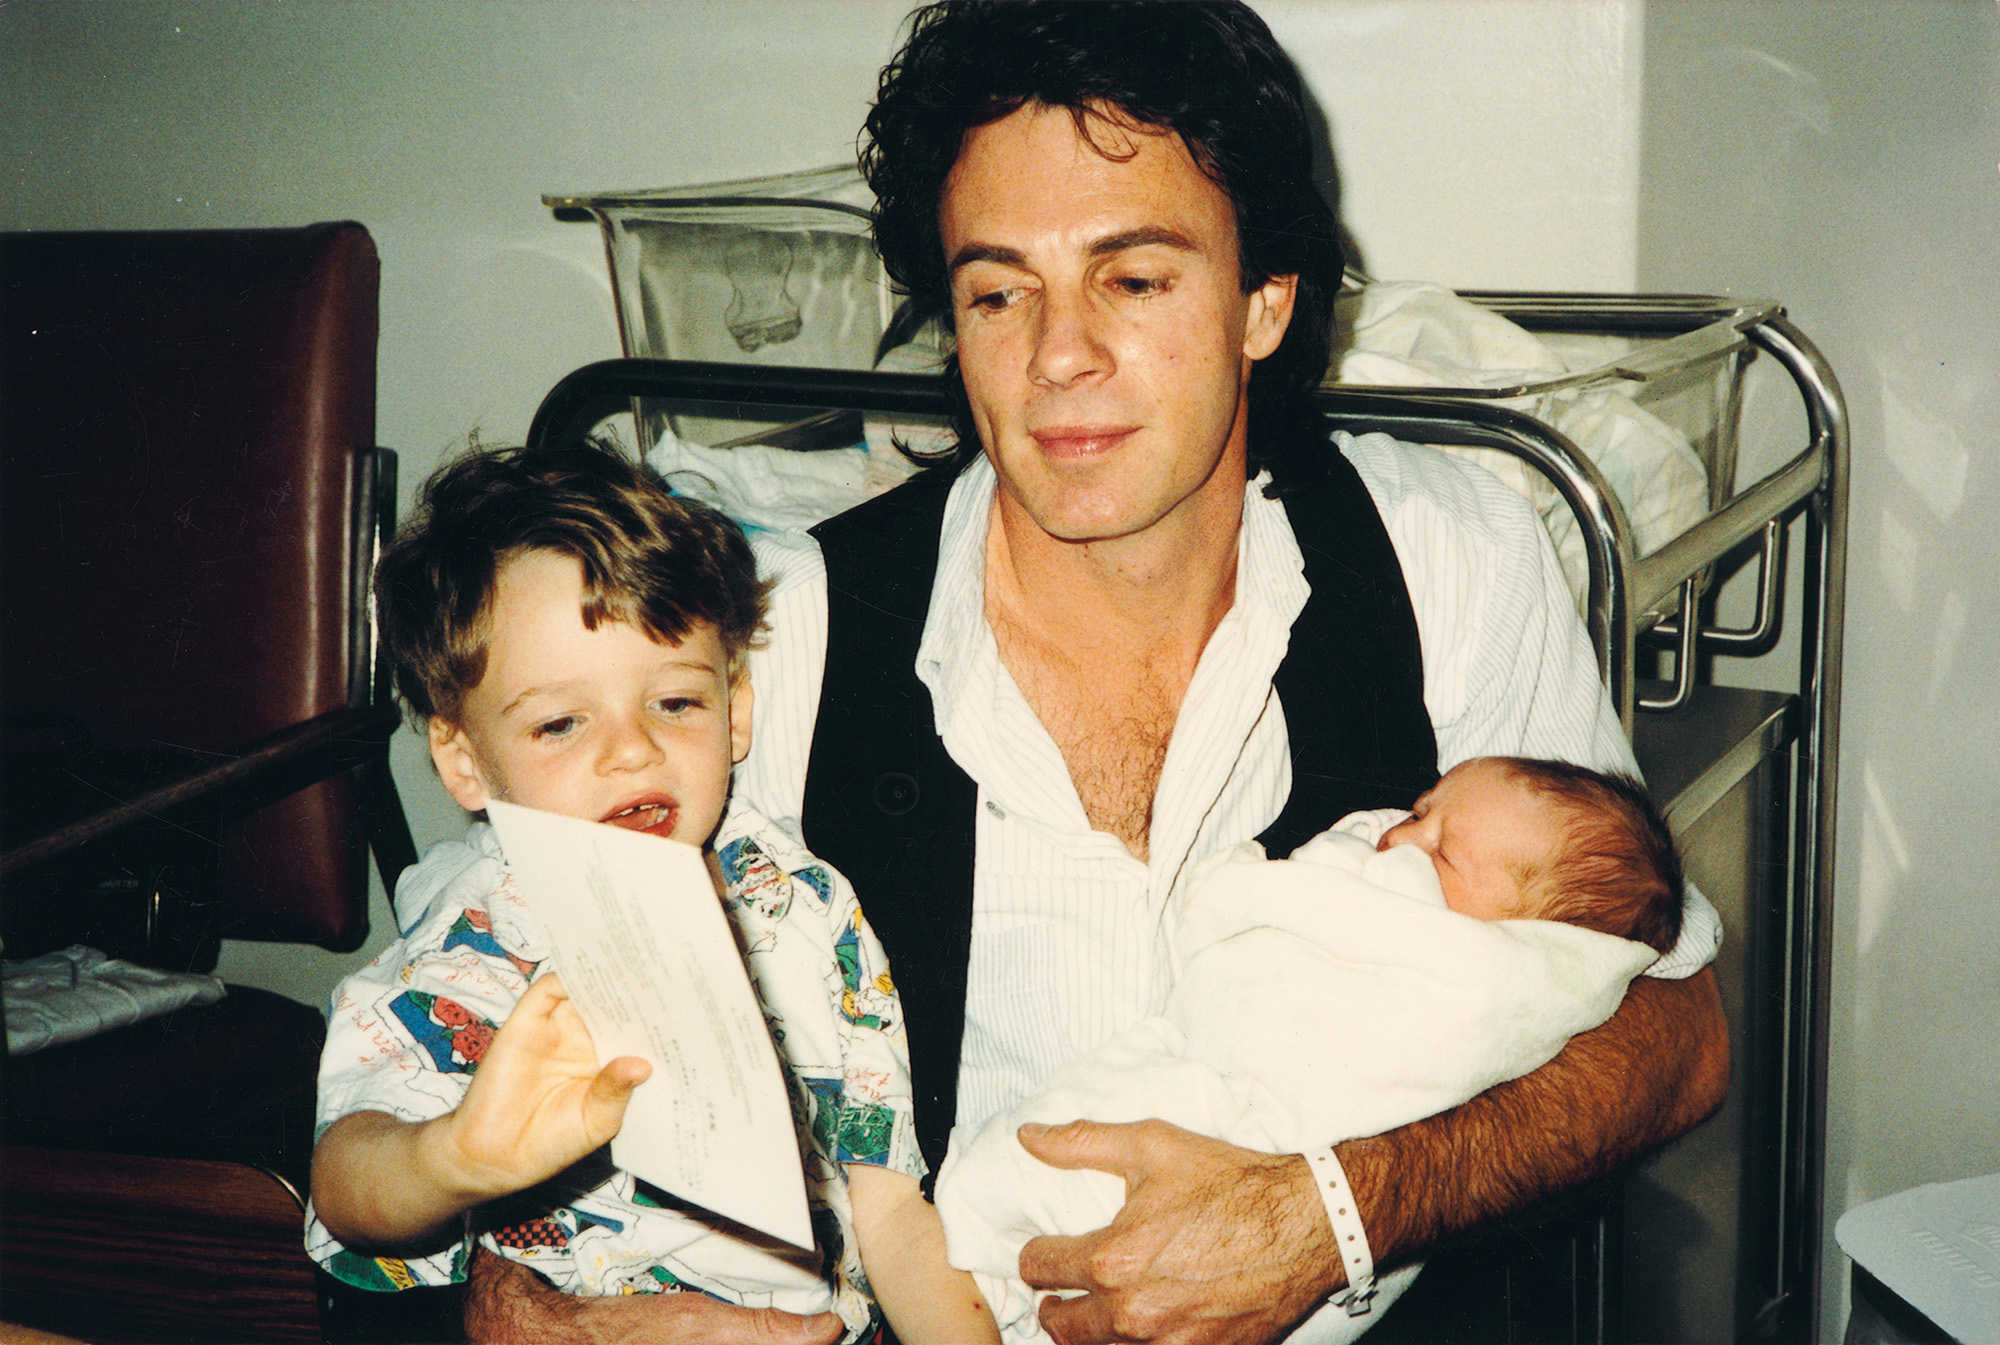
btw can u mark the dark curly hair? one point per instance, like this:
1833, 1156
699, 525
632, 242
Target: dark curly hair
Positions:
1210, 72
650, 558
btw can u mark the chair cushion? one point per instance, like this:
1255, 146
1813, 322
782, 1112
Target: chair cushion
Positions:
230, 1080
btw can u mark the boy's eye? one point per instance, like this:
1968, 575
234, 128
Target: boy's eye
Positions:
677, 705
560, 727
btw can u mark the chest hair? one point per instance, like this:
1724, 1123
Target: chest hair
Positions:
1111, 716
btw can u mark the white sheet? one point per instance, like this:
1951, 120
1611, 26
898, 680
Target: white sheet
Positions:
1418, 335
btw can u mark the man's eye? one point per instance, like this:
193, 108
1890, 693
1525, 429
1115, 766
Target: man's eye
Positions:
560, 727
1139, 286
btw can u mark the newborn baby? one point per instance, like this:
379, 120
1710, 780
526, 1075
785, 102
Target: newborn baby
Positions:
1395, 966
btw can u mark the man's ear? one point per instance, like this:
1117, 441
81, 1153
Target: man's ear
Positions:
451, 753
741, 702
1270, 314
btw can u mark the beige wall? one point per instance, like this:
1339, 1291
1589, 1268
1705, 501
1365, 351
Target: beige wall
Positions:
1845, 157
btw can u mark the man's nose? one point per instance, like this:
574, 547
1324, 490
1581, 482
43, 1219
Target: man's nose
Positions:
1068, 344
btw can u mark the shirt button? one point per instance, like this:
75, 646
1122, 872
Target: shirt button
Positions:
997, 811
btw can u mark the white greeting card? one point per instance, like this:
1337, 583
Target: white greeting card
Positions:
645, 951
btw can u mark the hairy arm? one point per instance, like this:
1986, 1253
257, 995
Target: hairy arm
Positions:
1656, 1070
508, 1304
1217, 1243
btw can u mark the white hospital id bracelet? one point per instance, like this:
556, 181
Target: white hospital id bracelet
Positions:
1330, 1179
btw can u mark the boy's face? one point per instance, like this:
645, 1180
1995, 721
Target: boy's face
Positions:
601, 724
1482, 830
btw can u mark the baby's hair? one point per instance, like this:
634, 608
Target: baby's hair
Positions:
652, 559
1617, 870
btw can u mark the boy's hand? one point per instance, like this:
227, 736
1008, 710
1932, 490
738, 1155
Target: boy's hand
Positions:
538, 1102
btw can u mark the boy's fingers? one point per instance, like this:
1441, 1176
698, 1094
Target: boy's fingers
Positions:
543, 995
611, 1090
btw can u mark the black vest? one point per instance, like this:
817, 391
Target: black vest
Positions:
887, 806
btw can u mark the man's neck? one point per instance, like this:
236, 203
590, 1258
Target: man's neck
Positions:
1103, 639
1162, 591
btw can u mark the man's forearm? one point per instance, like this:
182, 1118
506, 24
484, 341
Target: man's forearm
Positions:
505, 1302
508, 1304
1657, 1069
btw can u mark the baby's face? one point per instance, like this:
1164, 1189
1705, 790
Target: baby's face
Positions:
1482, 829
602, 724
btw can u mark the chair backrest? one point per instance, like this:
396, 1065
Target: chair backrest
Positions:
185, 420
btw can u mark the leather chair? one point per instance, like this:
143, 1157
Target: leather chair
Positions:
196, 746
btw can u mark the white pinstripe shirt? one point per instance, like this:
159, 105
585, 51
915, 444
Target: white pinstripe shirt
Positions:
1067, 944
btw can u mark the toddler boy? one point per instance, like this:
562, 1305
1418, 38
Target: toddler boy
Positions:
573, 637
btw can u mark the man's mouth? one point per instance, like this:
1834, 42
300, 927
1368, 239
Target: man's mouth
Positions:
1081, 441
654, 816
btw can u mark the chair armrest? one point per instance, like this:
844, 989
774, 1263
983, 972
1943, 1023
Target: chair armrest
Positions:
347, 738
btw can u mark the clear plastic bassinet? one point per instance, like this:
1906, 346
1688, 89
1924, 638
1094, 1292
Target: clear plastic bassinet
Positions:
771, 270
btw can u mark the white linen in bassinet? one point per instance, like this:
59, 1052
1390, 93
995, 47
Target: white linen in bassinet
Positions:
1417, 335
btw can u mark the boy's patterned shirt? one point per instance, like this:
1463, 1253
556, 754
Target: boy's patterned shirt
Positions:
406, 1033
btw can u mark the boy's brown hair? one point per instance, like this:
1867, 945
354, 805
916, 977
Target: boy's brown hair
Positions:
655, 560
1618, 871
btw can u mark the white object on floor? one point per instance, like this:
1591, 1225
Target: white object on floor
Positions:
1938, 1247
79, 992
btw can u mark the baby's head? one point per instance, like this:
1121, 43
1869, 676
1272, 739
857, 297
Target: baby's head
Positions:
573, 635
1515, 838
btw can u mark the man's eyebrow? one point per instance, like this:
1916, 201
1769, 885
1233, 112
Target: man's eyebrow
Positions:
985, 252
1151, 235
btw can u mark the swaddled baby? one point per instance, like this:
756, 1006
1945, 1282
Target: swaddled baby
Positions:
1397, 965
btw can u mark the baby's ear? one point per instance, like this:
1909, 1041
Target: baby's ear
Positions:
457, 766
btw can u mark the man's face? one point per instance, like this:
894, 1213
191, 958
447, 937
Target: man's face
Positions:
1103, 333
602, 724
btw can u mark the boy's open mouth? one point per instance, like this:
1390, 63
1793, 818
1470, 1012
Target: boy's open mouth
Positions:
655, 816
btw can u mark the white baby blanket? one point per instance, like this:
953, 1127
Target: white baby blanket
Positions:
1321, 998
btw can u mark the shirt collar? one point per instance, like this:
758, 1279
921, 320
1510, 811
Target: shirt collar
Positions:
956, 638
958, 649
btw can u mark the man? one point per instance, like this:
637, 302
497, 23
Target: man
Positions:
1098, 646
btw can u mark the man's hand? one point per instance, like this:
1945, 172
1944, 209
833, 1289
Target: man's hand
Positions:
508, 1304
1215, 1243
539, 1102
